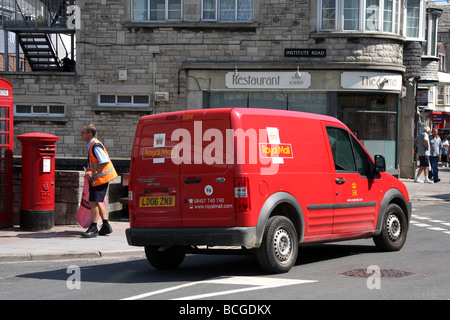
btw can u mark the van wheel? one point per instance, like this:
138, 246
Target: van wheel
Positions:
160, 258
279, 247
393, 230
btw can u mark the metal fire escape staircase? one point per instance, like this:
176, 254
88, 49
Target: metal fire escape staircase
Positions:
39, 52
38, 25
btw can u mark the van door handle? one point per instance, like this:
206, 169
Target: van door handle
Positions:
192, 180
339, 180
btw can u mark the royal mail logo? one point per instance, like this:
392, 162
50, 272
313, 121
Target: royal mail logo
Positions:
283, 150
157, 153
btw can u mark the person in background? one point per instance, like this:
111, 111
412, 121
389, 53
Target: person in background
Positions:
100, 172
435, 155
423, 149
444, 153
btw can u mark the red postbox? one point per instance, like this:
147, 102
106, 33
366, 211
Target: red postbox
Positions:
6, 153
38, 181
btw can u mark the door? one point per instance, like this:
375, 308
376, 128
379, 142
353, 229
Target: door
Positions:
6, 153
207, 178
156, 187
356, 194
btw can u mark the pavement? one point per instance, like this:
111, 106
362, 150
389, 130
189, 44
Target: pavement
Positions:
65, 241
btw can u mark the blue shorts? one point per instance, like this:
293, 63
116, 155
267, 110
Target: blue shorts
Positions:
98, 193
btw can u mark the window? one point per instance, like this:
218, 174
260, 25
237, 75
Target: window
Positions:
442, 95
442, 65
156, 10
227, 10
388, 15
351, 15
341, 148
414, 22
359, 15
429, 48
124, 100
348, 155
313, 102
328, 14
373, 119
372, 15
39, 110
209, 10
447, 95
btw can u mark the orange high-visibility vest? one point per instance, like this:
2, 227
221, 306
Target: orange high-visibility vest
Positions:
107, 174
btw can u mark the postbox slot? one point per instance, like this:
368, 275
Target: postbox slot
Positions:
44, 151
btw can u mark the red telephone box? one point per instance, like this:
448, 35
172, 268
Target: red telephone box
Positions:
6, 153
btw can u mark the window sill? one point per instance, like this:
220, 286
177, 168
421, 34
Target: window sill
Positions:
122, 108
40, 119
356, 35
39, 73
192, 25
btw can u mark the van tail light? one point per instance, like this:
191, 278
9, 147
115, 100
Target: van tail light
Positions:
241, 194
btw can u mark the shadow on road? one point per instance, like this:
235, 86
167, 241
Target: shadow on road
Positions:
194, 267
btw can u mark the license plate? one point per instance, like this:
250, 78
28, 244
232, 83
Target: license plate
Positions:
168, 201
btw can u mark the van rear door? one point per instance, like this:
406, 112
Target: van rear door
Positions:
156, 184
207, 180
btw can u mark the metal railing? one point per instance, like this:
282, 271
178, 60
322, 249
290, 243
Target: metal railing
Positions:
34, 13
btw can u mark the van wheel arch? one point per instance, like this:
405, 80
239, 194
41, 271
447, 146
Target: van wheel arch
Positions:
392, 196
280, 204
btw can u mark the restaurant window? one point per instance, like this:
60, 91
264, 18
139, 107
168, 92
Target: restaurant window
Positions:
313, 102
373, 120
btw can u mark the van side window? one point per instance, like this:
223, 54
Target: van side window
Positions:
348, 154
342, 150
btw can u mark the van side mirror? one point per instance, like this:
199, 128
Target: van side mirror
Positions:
380, 163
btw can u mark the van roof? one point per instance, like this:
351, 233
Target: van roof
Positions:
252, 111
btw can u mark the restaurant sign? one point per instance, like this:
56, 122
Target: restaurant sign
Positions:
268, 80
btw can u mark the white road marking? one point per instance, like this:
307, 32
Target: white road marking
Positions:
437, 229
251, 283
429, 226
422, 225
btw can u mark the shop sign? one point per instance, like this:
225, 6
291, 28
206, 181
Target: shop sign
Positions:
371, 81
268, 80
422, 97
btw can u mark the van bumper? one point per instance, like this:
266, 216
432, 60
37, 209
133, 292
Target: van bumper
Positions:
237, 236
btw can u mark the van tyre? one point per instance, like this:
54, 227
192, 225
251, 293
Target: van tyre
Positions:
279, 247
164, 258
393, 230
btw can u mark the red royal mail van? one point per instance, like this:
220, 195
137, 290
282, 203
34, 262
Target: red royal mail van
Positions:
262, 179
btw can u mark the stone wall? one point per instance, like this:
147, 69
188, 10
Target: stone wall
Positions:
68, 190
155, 54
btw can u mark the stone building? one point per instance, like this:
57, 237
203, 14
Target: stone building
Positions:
355, 60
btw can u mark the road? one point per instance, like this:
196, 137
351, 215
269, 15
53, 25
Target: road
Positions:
345, 270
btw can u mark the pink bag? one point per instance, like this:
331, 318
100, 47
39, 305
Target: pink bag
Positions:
84, 211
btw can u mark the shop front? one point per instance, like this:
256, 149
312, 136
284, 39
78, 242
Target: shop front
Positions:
366, 101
